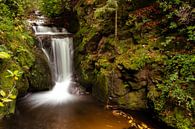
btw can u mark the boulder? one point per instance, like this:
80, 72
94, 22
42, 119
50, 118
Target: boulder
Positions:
133, 100
40, 77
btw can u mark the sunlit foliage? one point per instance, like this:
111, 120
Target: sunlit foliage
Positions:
54, 8
13, 36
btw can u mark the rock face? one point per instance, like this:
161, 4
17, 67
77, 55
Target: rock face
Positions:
134, 69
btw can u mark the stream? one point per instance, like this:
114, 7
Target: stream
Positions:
83, 113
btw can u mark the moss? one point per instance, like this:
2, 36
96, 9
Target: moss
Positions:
7, 82
169, 82
100, 88
90, 32
25, 57
178, 118
40, 76
134, 100
133, 60
152, 93
22, 86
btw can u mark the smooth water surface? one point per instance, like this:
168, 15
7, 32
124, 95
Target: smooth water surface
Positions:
82, 113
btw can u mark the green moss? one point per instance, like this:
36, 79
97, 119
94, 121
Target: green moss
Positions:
7, 82
167, 55
178, 118
134, 100
103, 62
40, 75
25, 57
100, 88
133, 60
90, 32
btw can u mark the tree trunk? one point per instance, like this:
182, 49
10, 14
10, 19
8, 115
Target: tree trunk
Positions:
116, 24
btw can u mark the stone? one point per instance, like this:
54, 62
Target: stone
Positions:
134, 100
40, 77
100, 88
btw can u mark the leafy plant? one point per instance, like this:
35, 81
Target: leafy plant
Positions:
54, 8
15, 74
6, 98
4, 55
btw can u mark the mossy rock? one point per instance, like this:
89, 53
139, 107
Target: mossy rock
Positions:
134, 100
117, 86
40, 77
22, 86
101, 87
140, 80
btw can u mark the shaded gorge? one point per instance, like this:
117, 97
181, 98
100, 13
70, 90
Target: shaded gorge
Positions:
59, 108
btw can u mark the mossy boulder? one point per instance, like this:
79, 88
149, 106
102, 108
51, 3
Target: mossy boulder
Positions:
26, 69
40, 77
101, 87
134, 100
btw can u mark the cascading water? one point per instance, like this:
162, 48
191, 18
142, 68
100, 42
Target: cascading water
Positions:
59, 54
62, 52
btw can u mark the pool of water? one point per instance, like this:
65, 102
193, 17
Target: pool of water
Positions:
83, 113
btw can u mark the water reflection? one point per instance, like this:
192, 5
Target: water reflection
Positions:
83, 113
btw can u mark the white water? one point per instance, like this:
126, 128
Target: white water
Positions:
61, 63
62, 52
45, 30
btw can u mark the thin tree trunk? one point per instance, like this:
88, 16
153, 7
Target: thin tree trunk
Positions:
116, 24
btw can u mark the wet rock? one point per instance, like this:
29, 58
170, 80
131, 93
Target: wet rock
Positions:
76, 89
116, 85
140, 80
116, 113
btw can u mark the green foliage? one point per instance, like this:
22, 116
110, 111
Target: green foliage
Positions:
177, 89
4, 55
191, 33
15, 74
7, 98
13, 37
134, 59
54, 8
111, 5
16, 8
157, 35
179, 17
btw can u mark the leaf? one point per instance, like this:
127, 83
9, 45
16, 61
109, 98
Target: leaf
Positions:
12, 97
1, 104
4, 55
2, 93
6, 100
10, 72
16, 72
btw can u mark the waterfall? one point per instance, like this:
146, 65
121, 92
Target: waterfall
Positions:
60, 56
62, 52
